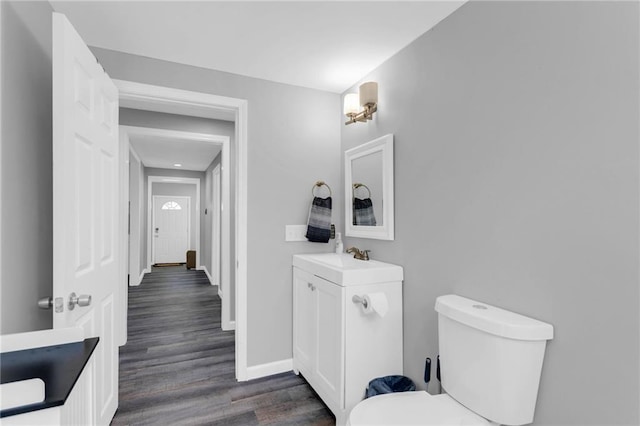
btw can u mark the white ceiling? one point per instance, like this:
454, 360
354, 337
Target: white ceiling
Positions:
162, 149
326, 45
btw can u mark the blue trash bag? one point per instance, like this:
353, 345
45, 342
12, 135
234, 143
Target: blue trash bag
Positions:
389, 384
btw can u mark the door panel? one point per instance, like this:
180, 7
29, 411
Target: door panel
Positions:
304, 323
170, 228
330, 338
85, 203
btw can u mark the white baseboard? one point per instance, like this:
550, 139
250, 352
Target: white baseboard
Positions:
137, 283
228, 326
220, 291
269, 369
204, 268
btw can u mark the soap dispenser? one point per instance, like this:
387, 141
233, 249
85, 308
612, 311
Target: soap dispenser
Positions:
339, 245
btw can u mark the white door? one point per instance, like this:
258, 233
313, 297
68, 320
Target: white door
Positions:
215, 228
85, 206
170, 228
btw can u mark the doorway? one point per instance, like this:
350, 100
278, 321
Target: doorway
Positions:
181, 102
171, 228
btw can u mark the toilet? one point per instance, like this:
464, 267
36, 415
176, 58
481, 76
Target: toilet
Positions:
490, 363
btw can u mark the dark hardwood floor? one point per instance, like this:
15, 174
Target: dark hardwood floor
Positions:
178, 366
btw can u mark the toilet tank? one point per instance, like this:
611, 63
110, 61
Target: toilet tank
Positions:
490, 358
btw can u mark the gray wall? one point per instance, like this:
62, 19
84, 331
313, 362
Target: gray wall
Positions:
289, 148
150, 171
516, 178
26, 192
182, 190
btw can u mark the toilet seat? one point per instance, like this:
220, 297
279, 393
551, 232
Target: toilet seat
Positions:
413, 408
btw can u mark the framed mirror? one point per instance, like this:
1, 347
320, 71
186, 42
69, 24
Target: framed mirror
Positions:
368, 175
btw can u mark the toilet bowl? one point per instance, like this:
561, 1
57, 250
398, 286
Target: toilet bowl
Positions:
491, 360
413, 408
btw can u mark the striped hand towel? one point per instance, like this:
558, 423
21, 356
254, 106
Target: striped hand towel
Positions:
363, 212
319, 223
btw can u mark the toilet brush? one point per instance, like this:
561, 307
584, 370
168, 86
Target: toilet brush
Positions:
427, 371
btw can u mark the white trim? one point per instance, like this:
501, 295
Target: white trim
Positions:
241, 241
231, 325
131, 148
136, 227
216, 204
220, 292
123, 285
182, 180
206, 272
269, 369
189, 224
140, 278
156, 98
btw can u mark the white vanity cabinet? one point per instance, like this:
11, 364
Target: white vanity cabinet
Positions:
318, 334
337, 346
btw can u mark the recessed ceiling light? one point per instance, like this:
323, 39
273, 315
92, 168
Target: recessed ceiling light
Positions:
177, 165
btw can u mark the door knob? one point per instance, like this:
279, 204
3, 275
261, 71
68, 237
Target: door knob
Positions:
45, 303
82, 300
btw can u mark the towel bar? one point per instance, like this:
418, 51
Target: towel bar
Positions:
319, 184
361, 185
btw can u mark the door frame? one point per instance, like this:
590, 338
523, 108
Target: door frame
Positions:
164, 99
189, 224
136, 227
216, 199
151, 219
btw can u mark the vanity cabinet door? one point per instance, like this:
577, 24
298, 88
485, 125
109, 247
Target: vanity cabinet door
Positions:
330, 340
304, 322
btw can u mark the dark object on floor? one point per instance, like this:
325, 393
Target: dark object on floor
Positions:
191, 259
389, 384
162, 265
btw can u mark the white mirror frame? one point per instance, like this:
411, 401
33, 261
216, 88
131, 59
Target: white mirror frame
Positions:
383, 144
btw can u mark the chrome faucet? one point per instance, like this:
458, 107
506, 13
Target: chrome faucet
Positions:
359, 254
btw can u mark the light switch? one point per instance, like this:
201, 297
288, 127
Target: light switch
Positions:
295, 233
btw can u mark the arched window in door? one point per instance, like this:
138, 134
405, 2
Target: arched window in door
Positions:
171, 205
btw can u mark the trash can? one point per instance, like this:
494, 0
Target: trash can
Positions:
191, 259
389, 384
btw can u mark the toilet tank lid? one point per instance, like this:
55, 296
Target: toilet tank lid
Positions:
492, 320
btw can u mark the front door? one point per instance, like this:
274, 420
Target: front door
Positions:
170, 228
85, 206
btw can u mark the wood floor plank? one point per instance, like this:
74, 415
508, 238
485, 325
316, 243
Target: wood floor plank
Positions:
178, 366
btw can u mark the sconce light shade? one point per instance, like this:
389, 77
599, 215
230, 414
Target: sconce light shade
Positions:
360, 107
369, 93
351, 104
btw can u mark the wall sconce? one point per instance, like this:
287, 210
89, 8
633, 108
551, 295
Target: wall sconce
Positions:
361, 107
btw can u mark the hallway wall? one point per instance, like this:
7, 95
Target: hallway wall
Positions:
159, 120
150, 171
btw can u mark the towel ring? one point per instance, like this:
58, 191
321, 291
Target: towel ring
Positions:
358, 185
319, 184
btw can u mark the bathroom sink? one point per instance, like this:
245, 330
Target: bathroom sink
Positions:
344, 270
24, 392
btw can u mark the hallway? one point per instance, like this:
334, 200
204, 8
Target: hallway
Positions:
178, 366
